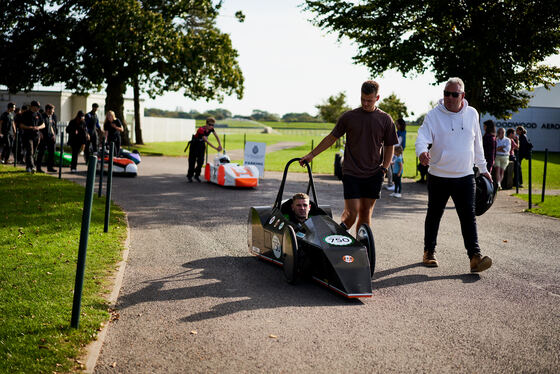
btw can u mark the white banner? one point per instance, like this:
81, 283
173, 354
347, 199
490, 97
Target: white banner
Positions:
254, 155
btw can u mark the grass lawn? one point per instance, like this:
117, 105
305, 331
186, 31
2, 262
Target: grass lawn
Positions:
550, 206
39, 239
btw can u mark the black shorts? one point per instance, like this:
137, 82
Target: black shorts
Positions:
356, 188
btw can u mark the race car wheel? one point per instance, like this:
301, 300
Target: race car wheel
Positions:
290, 255
365, 236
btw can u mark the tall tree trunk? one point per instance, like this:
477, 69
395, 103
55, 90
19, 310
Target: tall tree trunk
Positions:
116, 88
137, 125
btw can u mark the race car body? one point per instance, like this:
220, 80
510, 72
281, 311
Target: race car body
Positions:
121, 166
134, 155
225, 173
318, 248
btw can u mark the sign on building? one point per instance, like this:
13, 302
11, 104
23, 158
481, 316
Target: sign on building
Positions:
254, 155
542, 125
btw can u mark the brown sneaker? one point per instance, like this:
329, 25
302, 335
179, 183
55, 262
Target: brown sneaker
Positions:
429, 259
479, 263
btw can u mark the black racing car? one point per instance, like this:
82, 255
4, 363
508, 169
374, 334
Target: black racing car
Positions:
319, 248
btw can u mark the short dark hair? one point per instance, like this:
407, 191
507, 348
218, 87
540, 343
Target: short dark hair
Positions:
510, 131
95, 105
35, 103
370, 87
490, 126
49, 106
11, 105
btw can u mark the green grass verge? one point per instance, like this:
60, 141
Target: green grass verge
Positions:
549, 207
39, 240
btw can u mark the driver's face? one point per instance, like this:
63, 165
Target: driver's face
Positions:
301, 208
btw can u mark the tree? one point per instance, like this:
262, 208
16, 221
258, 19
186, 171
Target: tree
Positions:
333, 108
299, 117
393, 106
153, 45
262, 115
495, 46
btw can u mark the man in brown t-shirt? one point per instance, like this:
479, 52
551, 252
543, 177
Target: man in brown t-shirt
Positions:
368, 131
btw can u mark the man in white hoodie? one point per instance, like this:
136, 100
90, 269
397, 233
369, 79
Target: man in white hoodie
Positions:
453, 130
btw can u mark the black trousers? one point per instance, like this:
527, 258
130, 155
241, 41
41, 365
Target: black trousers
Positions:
76, 148
196, 159
31, 142
8, 143
462, 191
91, 143
46, 144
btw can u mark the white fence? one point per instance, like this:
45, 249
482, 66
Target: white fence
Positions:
160, 129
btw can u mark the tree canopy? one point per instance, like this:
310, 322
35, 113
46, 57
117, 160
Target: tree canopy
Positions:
495, 46
333, 107
393, 106
156, 45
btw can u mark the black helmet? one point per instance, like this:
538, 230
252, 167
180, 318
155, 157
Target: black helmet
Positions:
485, 194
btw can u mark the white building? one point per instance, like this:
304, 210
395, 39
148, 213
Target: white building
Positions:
541, 119
67, 105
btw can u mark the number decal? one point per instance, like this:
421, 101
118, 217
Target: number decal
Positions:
339, 240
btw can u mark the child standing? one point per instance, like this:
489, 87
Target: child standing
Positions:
397, 171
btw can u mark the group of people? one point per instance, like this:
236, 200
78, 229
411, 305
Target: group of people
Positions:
501, 147
449, 144
29, 132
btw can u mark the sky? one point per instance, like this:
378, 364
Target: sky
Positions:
290, 65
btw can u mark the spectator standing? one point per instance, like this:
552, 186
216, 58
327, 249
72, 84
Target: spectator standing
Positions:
398, 167
48, 139
513, 153
197, 148
524, 152
453, 130
503, 147
92, 127
370, 137
8, 132
76, 138
401, 133
113, 128
31, 123
489, 144
18, 146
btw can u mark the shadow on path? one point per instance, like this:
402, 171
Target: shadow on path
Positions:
241, 284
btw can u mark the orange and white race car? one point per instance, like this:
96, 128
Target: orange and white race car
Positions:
226, 173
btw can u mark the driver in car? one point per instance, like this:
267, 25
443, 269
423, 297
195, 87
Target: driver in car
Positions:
299, 210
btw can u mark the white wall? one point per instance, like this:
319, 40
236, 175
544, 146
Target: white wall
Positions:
159, 129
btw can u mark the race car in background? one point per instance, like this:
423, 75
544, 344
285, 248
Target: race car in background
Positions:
225, 173
319, 248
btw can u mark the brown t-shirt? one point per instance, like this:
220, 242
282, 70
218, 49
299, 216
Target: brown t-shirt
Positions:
366, 134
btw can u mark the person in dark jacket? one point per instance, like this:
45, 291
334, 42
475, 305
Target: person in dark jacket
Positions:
92, 128
113, 128
8, 132
489, 144
48, 139
31, 124
76, 138
524, 151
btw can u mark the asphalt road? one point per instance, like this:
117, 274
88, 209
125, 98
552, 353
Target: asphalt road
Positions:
194, 300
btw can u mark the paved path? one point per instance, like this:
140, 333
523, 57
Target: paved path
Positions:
193, 300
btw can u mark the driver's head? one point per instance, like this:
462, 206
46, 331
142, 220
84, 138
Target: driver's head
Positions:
300, 206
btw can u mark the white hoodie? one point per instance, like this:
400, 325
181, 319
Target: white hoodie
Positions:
456, 141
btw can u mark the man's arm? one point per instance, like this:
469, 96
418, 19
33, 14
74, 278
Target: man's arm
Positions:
422, 140
387, 155
324, 144
219, 143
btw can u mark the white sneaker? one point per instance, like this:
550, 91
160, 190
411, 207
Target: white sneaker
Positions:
397, 195
392, 194
390, 188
